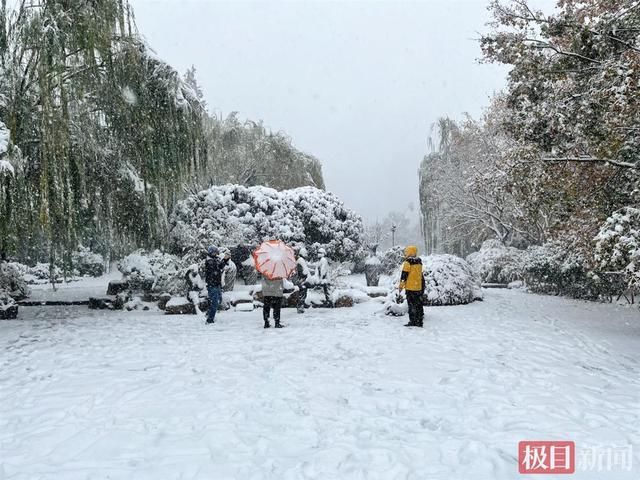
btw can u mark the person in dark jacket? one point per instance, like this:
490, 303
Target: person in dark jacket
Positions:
302, 278
213, 269
272, 293
412, 281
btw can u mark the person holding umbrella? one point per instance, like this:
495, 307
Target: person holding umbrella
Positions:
275, 261
272, 293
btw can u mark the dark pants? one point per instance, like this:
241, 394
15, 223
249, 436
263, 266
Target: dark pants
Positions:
302, 299
215, 296
416, 309
274, 303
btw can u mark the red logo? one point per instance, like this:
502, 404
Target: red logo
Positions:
547, 457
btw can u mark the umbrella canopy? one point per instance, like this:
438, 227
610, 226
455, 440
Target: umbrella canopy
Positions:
274, 259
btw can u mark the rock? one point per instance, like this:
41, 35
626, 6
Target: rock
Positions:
117, 286
162, 301
179, 306
344, 301
101, 303
9, 313
245, 307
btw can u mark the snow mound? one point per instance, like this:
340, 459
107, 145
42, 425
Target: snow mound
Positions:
232, 215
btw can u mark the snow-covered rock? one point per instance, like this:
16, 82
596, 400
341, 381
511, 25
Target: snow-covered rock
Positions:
232, 215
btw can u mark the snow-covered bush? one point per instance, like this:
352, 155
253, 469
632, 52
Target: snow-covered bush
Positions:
391, 259
156, 271
12, 281
554, 268
497, 263
232, 215
618, 245
8, 306
43, 272
86, 262
450, 280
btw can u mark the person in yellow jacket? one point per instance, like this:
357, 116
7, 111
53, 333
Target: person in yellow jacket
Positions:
412, 281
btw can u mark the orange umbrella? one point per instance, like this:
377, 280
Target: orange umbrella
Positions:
274, 259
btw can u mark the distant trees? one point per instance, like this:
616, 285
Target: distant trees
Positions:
558, 152
103, 137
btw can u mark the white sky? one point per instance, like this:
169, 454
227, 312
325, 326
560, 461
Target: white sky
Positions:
356, 84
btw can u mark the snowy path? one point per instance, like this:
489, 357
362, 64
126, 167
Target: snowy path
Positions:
338, 394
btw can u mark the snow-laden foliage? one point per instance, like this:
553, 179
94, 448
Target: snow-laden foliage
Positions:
555, 268
86, 262
450, 280
391, 259
497, 263
12, 281
156, 271
232, 215
618, 245
6, 300
44, 272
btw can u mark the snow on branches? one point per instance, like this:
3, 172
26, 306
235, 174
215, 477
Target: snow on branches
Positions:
232, 215
618, 245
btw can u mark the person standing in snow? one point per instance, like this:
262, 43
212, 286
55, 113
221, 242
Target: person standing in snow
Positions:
214, 267
272, 293
302, 278
412, 281
322, 273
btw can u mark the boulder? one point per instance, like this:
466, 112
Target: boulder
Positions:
344, 301
102, 303
117, 286
179, 306
162, 301
9, 312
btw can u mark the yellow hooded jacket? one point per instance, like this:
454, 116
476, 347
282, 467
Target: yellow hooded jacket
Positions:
412, 279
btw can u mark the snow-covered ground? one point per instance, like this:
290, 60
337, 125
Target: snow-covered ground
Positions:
339, 394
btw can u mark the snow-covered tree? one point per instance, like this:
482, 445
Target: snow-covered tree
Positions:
233, 215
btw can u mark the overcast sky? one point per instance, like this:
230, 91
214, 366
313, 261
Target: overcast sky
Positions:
358, 85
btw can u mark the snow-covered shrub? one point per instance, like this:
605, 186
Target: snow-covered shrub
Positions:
12, 281
43, 272
232, 215
553, 268
450, 280
497, 263
391, 259
618, 245
8, 306
86, 262
156, 271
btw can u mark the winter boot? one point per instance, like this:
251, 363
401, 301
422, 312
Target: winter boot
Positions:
267, 324
209, 320
278, 324
411, 324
